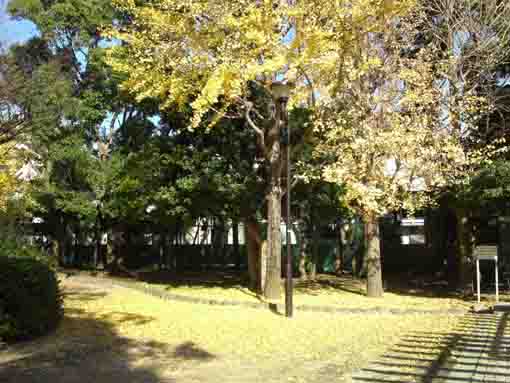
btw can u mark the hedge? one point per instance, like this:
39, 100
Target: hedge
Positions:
30, 299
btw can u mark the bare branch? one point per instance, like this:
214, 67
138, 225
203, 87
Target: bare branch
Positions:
260, 133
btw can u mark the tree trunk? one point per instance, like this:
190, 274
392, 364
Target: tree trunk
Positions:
109, 248
339, 252
235, 240
69, 244
315, 253
55, 250
115, 248
272, 285
373, 257
97, 245
465, 242
253, 245
219, 252
262, 265
162, 249
61, 238
97, 237
303, 248
361, 255
173, 246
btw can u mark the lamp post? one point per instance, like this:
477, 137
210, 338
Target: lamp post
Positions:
281, 92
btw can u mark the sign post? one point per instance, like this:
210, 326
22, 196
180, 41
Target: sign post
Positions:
486, 253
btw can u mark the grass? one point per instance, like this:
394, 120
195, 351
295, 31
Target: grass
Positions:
122, 334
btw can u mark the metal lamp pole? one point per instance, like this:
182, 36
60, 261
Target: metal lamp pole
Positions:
288, 281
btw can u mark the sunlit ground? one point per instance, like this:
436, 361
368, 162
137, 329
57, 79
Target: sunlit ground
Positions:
118, 334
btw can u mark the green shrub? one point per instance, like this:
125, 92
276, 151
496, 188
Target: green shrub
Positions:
30, 299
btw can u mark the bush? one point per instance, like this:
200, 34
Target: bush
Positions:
30, 299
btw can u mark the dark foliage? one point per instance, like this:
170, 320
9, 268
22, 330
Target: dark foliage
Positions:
30, 299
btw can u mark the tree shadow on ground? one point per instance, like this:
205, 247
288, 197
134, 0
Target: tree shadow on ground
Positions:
193, 279
424, 286
190, 350
475, 351
87, 348
84, 297
327, 283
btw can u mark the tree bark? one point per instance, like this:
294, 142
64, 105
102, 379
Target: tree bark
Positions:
339, 252
303, 248
55, 250
97, 236
61, 239
253, 246
97, 245
272, 285
373, 257
465, 242
68, 245
235, 240
109, 248
361, 255
315, 253
262, 265
162, 249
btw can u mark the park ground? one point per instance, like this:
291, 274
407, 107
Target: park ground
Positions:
117, 334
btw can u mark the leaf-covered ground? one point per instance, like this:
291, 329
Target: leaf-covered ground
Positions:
113, 334
327, 290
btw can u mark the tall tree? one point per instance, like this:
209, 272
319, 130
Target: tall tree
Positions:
382, 133
228, 56
472, 44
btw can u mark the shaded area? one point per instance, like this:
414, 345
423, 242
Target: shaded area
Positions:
402, 284
199, 280
190, 350
88, 348
477, 350
331, 283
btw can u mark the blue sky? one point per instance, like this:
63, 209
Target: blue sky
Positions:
14, 31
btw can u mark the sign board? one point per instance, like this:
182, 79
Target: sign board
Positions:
413, 222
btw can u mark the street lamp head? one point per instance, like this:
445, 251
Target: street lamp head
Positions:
281, 91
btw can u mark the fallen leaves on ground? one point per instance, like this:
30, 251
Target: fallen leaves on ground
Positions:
326, 290
237, 333
119, 334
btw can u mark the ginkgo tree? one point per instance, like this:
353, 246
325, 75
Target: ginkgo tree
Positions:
225, 57
9, 183
384, 134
